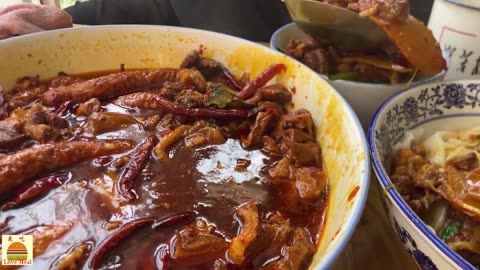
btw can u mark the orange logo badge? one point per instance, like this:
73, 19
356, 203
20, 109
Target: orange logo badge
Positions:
17, 249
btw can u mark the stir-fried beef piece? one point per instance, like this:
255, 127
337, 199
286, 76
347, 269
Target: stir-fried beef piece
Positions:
108, 86
312, 54
10, 135
193, 78
43, 125
198, 243
283, 169
273, 233
372, 73
301, 119
26, 91
17, 168
189, 98
300, 148
88, 107
297, 255
103, 122
171, 89
388, 10
268, 115
297, 49
317, 59
417, 180
36, 123
466, 162
208, 67
311, 182
270, 147
64, 79
190, 59
275, 93
248, 214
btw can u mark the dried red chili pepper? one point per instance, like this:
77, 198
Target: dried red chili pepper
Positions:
175, 219
115, 238
231, 78
3, 104
260, 80
137, 162
198, 112
35, 189
126, 230
62, 107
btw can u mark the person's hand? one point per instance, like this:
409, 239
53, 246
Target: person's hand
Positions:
28, 18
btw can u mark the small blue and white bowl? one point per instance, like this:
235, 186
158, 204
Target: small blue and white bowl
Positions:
450, 105
365, 98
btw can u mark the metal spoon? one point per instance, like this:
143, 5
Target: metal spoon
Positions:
339, 26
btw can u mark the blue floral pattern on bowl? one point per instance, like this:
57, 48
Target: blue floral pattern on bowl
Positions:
407, 110
431, 102
407, 240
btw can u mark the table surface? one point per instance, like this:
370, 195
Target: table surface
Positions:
374, 244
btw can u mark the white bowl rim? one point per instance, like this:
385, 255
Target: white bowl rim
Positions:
458, 3
356, 210
435, 77
386, 183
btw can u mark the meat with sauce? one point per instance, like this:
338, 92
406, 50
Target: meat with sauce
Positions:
161, 169
388, 10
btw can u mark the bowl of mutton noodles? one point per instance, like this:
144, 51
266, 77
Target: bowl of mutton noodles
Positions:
367, 77
425, 144
150, 147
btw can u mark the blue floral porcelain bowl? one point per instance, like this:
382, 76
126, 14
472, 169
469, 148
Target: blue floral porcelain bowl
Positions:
450, 105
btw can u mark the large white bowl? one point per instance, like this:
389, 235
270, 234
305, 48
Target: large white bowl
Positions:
451, 105
365, 98
338, 130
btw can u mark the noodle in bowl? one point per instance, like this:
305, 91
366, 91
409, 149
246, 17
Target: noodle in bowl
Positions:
421, 134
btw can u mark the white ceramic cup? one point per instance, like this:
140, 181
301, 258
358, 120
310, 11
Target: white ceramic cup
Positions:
456, 25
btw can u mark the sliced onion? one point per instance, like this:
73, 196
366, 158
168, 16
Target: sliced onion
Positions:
436, 215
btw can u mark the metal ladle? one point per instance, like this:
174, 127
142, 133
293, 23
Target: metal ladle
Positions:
340, 27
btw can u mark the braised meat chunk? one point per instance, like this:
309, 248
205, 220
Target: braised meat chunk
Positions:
411, 52
438, 177
198, 243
